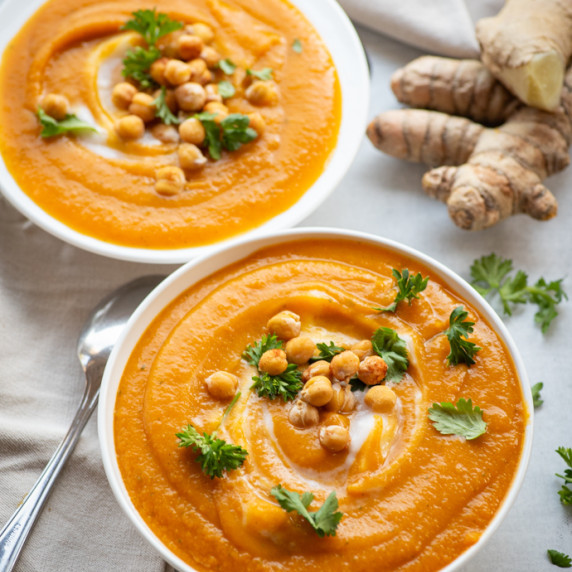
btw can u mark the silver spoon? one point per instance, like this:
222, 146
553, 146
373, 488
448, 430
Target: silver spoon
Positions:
99, 334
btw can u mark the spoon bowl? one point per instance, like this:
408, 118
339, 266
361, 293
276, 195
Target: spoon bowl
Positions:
96, 340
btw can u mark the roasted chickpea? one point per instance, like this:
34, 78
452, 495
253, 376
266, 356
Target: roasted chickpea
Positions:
192, 131
165, 133
189, 46
211, 57
334, 438
130, 127
170, 181
372, 370
143, 105
256, 122
177, 72
344, 365
168, 44
123, 94
362, 349
300, 349
342, 401
197, 67
211, 89
205, 78
321, 367
191, 157
157, 70
56, 106
303, 414
219, 109
203, 31
191, 96
273, 362
262, 93
285, 325
317, 391
380, 398
222, 385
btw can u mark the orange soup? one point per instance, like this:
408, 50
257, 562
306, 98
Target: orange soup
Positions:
412, 498
105, 186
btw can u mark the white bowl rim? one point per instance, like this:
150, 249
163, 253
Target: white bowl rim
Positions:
341, 39
199, 268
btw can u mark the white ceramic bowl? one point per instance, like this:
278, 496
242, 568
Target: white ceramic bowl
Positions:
346, 50
204, 266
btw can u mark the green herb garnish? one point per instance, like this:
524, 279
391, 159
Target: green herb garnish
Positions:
151, 25
252, 354
565, 492
327, 352
490, 276
460, 419
559, 559
536, 398
387, 344
297, 46
226, 89
462, 350
409, 288
163, 111
69, 124
264, 74
227, 66
286, 385
137, 63
357, 384
324, 521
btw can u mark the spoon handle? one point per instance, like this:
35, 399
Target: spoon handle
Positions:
14, 534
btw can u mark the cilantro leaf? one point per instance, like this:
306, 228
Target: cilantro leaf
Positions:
69, 124
226, 89
460, 419
462, 351
264, 74
357, 384
387, 344
490, 270
236, 131
536, 398
163, 111
559, 559
327, 352
546, 295
151, 25
252, 354
409, 288
212, 133
137, 63
324, 521
216, 456
227, 66
297, 46
565, 492
286, 385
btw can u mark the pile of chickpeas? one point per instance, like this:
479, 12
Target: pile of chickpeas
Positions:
326, 397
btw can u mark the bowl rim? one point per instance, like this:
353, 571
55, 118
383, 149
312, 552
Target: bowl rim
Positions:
347, 52
199, 268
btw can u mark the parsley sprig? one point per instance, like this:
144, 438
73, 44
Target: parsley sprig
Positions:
69, 124
559, 559
137, 63
460, 419
387, 344
327, 352
462, 350
216, 456
409, 287
566, 492
252, 354
163, 111
537, 400
324, 521
232, 132
490, 276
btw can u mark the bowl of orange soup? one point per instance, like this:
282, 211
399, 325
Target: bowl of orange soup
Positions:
315, 399
153, 130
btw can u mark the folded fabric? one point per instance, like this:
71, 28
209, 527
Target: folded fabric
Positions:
445, 27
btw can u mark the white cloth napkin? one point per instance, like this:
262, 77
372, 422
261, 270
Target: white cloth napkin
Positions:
445, 27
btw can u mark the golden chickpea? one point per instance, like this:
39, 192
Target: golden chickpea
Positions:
222, 385
334, 438
157, 70
273, 362
317, 391
123, 94
372, 370
143, 105
262, 93
170, 181
211, 89
285, 325
130, 127
343, 399
165, 133
189, 47
303, 414
344, 365
257, 122
211, 57
362, 349
321, 367
56, 106
219, 109
168, 44
300, 349
191, 96
205, 78
197, 67
203, 31
191, 157
177, 72
380, 398
192, 131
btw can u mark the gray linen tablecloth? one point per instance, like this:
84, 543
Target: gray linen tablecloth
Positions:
47, 289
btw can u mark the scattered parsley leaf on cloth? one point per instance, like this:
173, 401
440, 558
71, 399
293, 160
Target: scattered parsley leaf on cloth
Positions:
565, 492
460, 419
536, 397
70, 124
152, 25
462, 350
409, 287
324, 521
163, 111
388, 345
327, 352
559, 559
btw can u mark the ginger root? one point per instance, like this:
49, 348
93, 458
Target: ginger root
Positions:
527, 46
494, 172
